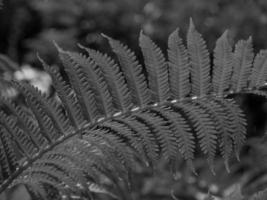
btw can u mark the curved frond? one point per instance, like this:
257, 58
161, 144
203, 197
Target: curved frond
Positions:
105, 121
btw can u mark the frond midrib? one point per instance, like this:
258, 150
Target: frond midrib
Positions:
89, 125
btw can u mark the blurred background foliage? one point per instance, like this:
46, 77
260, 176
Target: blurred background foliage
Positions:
31, 26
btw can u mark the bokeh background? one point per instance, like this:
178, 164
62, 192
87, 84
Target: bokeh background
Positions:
28, 27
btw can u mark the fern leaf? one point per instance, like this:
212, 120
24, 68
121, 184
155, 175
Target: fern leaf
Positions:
84, 159
148, 126
94, 78
204, 128
84, 96
26, 123
93, 165
21, 139
118, 137
122, 151
80, 145
45, 123
41, 179
221, 125
243, 57
143, 132
69, 168
238, 123
223, 65
178, 66
110, 154
134, 141
5, 168
259, 70
156, 68
51, 171
114, 78
126, 136
51, 108
74, 65
200, 62
181, 134
67, 97
78, 161
162, 135
225, 132
48, 108
261, 92
9, 160
133, 72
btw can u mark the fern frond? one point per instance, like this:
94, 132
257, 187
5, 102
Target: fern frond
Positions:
204, 128
164, 136
225, 132
223, 65
47, 112
120, 148
9, 160
25, 122
156, 67
22, 140
183, 134
200, 62
125, 135
243, 58
259, 70
67, 96
106, 117
133, 72
93, 77
114, 78
178, 66
238, 123
77, 68
142, 132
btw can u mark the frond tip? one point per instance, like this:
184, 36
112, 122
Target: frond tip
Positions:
156, 67
223, 64
200, 61
178, 66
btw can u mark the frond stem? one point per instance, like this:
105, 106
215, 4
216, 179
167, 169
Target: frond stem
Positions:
61, 140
